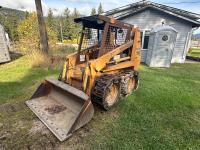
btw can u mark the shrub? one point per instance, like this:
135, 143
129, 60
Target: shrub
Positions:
29, 35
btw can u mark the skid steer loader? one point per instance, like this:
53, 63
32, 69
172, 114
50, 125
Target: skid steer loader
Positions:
104, 67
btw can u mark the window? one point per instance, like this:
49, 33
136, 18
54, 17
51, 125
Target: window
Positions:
145, 39
146, 42
165, 38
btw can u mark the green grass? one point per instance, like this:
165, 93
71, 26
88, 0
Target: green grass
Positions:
194, 52
18, 77
18, 80
63, 49
164, 113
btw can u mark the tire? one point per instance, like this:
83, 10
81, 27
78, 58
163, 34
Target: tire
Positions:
129, 83
137, 79
106, 91
112, 96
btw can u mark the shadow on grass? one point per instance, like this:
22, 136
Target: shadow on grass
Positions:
23, 87
15, 55
15, 118
160, 115
18, 81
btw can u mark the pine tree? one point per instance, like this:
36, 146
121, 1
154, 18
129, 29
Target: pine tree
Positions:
100, 9
75, 13
66, 22
60, 28
10, 20
67, 29
28, 34
10, 25
50, 20
26, 14
93, 12
75, 28
66, 13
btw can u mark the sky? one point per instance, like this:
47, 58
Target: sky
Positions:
85, 6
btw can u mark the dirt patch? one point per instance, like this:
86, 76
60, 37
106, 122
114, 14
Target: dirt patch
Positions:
114, 115
4, 136
77, 141
38, 127
8, 108
1, 125
55, 109
20, 124
33, 134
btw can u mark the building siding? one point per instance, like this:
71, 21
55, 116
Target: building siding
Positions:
4, 54
150, 18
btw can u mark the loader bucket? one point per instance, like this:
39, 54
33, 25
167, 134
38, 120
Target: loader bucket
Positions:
62, 108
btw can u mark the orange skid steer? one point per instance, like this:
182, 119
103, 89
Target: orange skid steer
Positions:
104, 68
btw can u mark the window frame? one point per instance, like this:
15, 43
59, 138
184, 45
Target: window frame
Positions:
145, 32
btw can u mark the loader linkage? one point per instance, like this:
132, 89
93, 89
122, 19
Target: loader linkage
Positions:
104, 68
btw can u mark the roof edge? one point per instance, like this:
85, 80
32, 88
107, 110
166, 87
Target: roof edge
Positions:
177, 11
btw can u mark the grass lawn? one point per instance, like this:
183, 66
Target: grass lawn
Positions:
194, 52
164, 113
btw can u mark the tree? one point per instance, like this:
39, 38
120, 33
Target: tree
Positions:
50, 20
66, 23
42, 28
66, 13
100, 9
75, 13
10, 19
10, 23
70, 30
26, 14
29, 36
60, 29
93, 12
75, 28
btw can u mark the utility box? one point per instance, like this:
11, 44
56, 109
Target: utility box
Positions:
4, 47
161, 46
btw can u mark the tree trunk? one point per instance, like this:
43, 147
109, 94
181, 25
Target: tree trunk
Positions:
42, 28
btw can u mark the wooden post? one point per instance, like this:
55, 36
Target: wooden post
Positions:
42, 28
